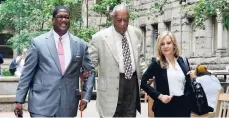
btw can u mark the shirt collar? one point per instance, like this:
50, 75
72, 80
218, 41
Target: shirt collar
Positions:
169, 61
56, 36
116, 33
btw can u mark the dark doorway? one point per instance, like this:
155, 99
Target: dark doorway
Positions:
5, 49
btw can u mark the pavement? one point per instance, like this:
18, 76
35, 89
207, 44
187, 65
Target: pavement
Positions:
89, 112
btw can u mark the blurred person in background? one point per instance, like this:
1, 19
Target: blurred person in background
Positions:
20, 60
210, 84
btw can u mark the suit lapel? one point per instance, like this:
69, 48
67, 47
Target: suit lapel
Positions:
53, 50
133, 39
183, 67
110, 41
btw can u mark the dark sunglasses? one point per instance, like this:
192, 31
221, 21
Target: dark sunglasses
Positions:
61, 17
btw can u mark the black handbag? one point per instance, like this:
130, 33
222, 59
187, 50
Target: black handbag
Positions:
199, 103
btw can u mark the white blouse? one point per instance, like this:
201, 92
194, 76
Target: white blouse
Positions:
176, 79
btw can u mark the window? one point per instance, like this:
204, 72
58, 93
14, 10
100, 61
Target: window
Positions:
5, 49
155, 31
143, 29
155, 35
168, 25
193, 39
214, 35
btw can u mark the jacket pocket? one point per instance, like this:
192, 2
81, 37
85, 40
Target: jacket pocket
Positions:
76, 58
102, 84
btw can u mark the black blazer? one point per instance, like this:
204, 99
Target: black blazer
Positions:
161, 81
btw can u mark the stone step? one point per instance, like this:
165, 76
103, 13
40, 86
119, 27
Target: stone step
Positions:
7, 103
8, 85
11, 114
6, 63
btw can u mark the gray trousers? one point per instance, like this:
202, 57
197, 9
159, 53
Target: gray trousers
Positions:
38, 115
126, 106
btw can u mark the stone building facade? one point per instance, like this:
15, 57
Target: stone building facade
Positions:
209, 46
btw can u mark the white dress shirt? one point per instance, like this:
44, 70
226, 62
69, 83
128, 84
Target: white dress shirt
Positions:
66, 45
211, 85
118, 40
176, 79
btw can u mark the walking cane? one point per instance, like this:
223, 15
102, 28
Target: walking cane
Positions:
82, 78
81, 95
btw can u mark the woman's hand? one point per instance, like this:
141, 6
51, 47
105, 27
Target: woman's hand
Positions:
165, 98
191, 74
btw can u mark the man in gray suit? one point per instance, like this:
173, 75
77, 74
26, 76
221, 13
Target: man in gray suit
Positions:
52, 69
118, 53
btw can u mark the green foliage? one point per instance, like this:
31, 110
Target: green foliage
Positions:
105, 6
6, 72
158, 6
102, 6
82, 32
133, 16
226, 20
205, 8
22, 40
26, 19
85, 33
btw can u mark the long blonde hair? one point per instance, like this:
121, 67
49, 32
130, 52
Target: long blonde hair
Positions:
159, 55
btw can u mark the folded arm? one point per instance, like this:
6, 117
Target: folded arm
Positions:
152, 92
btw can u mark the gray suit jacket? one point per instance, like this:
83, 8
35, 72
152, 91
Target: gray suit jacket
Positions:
49, 90
103, 52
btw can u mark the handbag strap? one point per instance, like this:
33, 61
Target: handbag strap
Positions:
193, 81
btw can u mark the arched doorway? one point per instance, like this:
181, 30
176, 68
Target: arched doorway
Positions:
5, 49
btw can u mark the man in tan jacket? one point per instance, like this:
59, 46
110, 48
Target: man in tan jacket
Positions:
118, 53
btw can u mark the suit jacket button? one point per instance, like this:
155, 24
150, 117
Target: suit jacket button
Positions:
117, 88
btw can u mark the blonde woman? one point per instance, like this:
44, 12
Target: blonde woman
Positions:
172, 79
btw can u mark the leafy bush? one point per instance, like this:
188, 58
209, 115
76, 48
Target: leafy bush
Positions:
6, 72
22, 40
85, 33
26, 19
205, 8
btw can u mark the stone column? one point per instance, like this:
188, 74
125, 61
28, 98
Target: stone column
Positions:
161, 27
149, 50
221, 50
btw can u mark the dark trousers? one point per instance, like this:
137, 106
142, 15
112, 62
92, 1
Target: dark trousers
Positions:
128, 90
177, 107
